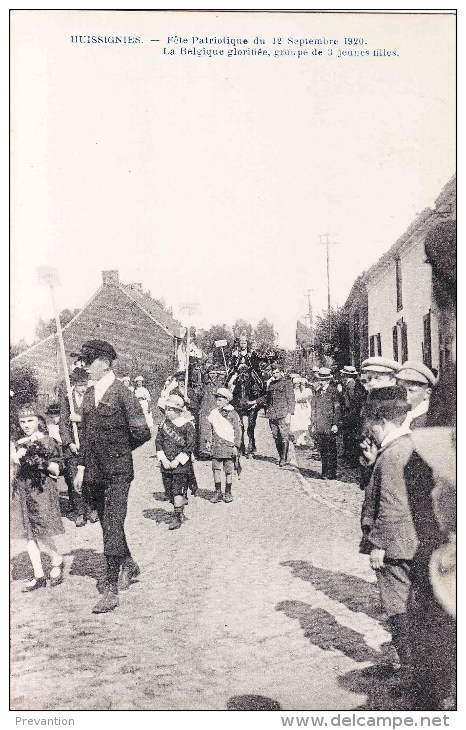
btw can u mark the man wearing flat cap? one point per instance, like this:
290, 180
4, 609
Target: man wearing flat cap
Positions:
325, 419
379, 372
418, 380
280, 404
112, 426
376, 372
350, 416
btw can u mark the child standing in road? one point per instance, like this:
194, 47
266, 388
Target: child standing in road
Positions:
35, 502
224, 442
175, 442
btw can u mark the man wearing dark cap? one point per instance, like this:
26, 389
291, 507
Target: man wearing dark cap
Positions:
280, 405
112, 426
79, 503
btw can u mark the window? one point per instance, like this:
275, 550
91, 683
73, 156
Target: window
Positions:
427, 344
399, 285
395, 342
356, 339
378, 342
404, 341
375, 345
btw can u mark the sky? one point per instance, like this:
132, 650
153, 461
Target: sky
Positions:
210, 179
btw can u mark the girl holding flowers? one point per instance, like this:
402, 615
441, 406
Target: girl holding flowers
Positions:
35, 503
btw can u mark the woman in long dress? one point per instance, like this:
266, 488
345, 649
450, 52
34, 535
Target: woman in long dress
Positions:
301, 418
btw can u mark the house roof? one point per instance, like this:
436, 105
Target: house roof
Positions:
421, 224
356, 289
153, 309
145, 302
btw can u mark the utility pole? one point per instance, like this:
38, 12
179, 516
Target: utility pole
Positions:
324, 240
311, 323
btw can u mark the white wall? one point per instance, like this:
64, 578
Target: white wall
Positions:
417, 300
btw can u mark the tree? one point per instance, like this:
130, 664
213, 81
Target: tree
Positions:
45, 329
24, 384
17, 349
206, 341
242, 326
331, 337
265, 335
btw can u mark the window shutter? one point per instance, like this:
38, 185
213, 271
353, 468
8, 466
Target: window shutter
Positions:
404, 342
395, 342
427, 345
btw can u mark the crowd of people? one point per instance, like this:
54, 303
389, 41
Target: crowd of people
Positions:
392, 421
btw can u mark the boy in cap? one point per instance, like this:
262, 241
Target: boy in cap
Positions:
376, 372
391, 538
80, 504
53, 417
280, 406
175, 441
325, 421
379, 371
418, 380
126, 380
224, 442
112, 426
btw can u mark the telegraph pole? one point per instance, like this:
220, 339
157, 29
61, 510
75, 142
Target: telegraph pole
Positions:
311, 323
324, 240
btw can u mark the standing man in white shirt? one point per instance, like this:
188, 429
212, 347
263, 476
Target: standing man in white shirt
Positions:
112, 426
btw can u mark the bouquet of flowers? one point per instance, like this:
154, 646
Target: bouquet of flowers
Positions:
33, 464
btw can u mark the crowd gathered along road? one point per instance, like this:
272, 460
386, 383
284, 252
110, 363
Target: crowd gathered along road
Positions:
264, 603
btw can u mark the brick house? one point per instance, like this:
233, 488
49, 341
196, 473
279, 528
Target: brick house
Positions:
144, 335
395, 297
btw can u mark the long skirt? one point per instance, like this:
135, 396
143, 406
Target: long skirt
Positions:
35, 513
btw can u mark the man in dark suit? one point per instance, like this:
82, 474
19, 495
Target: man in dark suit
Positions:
112, 426
280, 404
325, 419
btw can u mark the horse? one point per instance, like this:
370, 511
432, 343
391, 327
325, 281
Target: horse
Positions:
247, 387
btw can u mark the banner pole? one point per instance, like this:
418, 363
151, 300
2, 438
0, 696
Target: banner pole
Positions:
64, 364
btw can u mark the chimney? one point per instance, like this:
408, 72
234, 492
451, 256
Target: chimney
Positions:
110, 278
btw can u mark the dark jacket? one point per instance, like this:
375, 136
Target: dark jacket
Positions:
419, 421
325, 409
388, 510
174, 439
65, 425
280, 400
110, 433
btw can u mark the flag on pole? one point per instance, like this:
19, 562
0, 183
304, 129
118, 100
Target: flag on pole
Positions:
48, 275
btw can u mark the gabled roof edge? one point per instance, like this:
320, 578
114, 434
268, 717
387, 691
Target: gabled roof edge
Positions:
55, 334
123, 289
